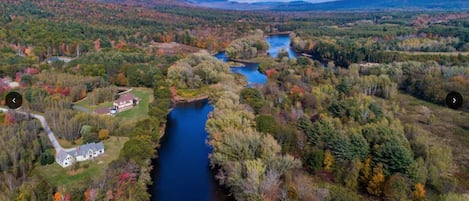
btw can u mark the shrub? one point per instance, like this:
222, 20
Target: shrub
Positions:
103, 134
341, 194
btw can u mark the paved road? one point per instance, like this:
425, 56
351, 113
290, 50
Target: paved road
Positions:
46, 128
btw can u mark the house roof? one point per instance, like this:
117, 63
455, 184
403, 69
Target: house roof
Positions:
62, 155
125, 98
83, 149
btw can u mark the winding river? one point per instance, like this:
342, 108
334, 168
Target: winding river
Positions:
278, 43
182, 170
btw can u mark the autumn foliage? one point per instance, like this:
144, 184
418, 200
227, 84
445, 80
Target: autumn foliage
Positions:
328, 160
419, 192
375, 186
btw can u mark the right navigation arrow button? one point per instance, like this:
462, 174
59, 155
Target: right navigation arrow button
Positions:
454, 100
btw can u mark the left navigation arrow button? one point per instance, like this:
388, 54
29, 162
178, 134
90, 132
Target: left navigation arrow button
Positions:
13, 100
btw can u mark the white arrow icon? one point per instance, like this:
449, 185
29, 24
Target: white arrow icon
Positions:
454, 100
13, 100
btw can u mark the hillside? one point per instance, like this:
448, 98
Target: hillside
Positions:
376, 5
335, 5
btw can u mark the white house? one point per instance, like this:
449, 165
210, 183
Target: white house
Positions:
81, 153
125, 102
64, 159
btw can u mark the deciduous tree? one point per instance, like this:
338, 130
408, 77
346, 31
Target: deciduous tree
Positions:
376, 183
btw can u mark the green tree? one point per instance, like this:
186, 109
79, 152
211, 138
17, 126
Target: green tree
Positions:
283, 53
90, 137
252, 97
396, 188
342, 194
359, 148
266, 124
46, 158
344, 86
394, 156
352, 174
316, 159
139, 148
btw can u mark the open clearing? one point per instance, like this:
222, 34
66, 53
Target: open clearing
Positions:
56, 175
450, 127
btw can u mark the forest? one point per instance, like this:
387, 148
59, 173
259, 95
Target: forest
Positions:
360, 116
345, 125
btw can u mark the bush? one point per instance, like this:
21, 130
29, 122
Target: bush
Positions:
103, 134
266, 124
316, 159
396, 188
445, 184
453, 197
90, 137
252, 97
139, 148
341, 194
46, 158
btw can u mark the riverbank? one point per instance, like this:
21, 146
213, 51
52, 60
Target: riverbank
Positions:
175, 101
234, 64
248, 62
180, 100
280, 33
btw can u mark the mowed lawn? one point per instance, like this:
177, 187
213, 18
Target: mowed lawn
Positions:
136, 113
56, 175
141, 110
86, 104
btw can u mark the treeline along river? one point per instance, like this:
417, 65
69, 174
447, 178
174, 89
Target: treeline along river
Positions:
183, 168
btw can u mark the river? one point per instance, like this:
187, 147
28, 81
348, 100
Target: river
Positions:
250, 71
182, 170
279, 42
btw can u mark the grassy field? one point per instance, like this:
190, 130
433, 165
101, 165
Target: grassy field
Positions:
450, 127
68, 144
86, 104
56, 175
136, 113
141, 110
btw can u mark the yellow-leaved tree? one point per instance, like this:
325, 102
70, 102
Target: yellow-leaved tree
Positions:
328, 160
103, 134
375, 186
365, 173
419, 192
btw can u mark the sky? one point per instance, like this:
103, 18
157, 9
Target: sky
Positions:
255, 1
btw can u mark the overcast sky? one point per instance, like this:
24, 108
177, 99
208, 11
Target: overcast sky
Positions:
253, 1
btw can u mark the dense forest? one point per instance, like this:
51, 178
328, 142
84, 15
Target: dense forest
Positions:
360, 116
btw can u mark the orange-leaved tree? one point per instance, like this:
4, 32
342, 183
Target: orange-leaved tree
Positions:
375, 186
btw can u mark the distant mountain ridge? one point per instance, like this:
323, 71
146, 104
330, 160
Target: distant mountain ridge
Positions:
336, 5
